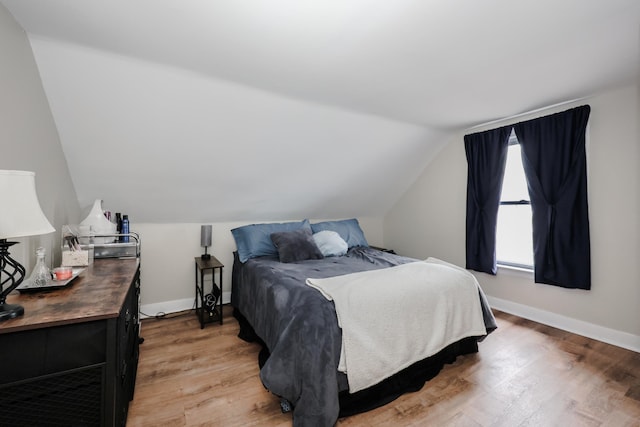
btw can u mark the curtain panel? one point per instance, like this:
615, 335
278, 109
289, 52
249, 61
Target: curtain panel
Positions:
554, 160
486, 161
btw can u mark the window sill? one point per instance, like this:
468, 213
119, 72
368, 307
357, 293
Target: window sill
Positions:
515, 271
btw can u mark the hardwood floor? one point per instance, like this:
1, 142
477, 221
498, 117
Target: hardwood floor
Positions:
525, 374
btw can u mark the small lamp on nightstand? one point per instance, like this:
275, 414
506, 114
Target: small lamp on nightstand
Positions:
205, 240
20, 216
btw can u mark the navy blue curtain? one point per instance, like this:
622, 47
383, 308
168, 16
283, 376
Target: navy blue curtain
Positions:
554, 160
486, 160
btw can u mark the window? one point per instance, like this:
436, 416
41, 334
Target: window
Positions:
556, 165
514, 239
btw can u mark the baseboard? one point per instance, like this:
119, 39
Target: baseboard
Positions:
166, 307
586, 329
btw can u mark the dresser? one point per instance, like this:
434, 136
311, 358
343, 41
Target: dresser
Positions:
71, 359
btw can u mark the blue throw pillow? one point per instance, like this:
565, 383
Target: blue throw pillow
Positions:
348, 229
254, 240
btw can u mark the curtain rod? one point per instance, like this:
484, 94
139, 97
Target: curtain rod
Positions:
537, 110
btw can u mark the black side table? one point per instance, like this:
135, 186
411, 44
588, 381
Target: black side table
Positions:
204, 315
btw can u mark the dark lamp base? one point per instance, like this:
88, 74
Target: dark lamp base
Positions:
205, 256
9, 311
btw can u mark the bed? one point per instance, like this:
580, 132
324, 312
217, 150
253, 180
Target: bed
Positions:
277, 305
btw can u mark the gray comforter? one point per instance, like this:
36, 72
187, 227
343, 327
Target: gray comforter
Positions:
300, 328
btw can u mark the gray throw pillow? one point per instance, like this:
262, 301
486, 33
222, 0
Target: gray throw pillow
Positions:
296, 245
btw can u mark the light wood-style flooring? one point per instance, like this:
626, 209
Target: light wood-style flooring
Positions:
525, 374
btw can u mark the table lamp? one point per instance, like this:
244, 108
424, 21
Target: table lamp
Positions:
205, 240
20, 216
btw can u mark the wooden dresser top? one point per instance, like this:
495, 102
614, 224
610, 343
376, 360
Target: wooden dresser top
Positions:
96, 294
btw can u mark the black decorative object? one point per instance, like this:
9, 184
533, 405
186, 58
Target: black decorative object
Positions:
12, 274
210, 301
20, 216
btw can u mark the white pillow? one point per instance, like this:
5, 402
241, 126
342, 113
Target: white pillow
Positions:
330, 243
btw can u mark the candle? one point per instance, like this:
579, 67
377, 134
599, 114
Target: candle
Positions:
63, 273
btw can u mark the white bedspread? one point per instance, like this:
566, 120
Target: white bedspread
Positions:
394, 317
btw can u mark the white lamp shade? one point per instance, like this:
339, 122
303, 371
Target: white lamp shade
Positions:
20, 211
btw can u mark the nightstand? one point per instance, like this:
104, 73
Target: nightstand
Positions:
203, 266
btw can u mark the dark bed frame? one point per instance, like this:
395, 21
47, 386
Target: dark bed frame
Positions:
410, 379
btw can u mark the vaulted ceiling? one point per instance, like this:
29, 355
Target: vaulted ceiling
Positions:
200, 110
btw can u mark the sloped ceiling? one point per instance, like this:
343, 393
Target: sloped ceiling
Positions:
199, 110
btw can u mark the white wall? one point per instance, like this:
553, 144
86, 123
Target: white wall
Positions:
168, 265
429, 220
29, 140
169, 145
